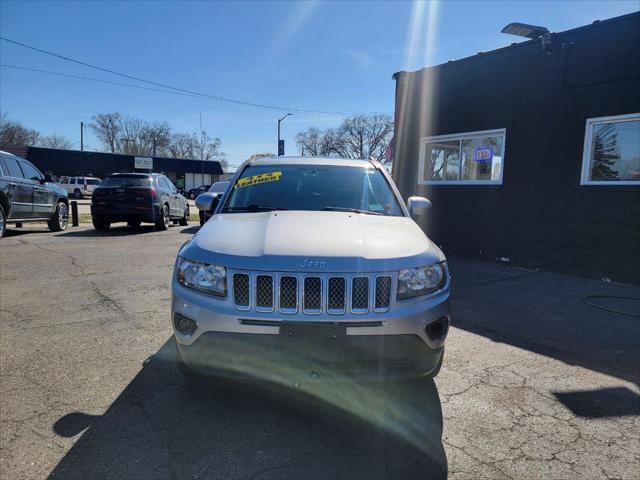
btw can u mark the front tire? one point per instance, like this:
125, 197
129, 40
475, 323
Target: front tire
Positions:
164, 220
60, 219
100, 224
184, 221
3, 222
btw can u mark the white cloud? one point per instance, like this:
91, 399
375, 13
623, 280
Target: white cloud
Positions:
362, 59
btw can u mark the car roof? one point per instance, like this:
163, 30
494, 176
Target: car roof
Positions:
338, 162
12, 155
132, 174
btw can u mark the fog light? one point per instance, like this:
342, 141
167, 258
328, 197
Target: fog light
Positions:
437, 330
184, 325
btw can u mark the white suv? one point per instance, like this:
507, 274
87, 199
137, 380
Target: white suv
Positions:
80, 186
311, 269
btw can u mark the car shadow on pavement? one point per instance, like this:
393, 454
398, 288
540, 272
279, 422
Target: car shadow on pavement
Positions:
119, 230
11, 232
164, 426
601, 403
549, 314
190, 230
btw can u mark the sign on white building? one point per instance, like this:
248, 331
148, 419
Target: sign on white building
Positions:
143, 163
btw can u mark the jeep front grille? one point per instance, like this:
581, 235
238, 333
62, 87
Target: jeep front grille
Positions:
383, 294
360, 294
264, 293
241, 290
311, 294
336, 295
288, 294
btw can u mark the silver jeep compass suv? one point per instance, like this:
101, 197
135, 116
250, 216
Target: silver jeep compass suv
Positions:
311, 269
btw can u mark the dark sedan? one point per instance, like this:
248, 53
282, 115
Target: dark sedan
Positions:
135, 198
194, 192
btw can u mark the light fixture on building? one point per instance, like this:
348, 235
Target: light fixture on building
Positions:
533, 32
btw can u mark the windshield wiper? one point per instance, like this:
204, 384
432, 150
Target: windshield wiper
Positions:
252, 208
351, 210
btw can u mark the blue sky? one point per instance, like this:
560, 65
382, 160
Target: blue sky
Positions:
323, 56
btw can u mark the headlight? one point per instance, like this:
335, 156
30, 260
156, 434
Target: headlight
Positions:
420, 280
202, 276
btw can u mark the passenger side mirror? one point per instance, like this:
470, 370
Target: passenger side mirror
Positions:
417, 205
207, 201
47, 179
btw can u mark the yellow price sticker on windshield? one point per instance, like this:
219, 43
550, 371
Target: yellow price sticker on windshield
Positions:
256, 179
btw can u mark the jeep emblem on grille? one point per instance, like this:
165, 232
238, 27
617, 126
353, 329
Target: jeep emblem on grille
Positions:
308, 263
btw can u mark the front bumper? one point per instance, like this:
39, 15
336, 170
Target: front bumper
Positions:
120, 213
400, 343
287, 359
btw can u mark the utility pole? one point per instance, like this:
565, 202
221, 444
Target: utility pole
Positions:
81, 136
280, 120
201, 149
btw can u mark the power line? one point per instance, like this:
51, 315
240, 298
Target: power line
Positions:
92, 79
162, 85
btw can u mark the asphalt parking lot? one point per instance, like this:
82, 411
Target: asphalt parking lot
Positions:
535, 383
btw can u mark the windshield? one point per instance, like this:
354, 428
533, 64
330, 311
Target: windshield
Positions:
121, 181
312, 187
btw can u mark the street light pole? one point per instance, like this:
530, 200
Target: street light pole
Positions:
279, 120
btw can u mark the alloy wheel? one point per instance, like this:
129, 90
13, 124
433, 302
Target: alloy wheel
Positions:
165, 216
63, 216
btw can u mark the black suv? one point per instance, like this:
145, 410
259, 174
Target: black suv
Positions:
135, 198
26, 195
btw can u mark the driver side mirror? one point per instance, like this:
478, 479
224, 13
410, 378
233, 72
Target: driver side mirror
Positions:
417, 205
47, 179
207, 201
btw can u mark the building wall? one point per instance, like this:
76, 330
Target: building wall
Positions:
540, 217
99, 164
194, 180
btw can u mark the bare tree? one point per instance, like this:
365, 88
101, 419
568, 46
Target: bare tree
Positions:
365, 136
311, 142
14, 134
55, 141
107, 127
211, 147
133, 140
184, 145
133, 136
156, 138
360, 136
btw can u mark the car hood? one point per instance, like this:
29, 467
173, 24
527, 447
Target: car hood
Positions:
305, 240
